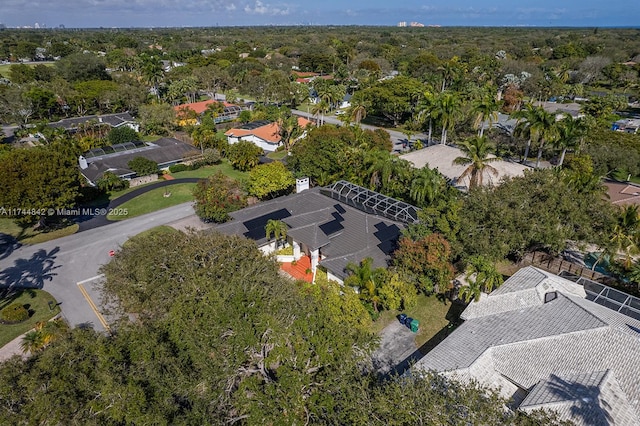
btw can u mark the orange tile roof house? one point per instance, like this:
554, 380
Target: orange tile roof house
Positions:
231, 111
264, 134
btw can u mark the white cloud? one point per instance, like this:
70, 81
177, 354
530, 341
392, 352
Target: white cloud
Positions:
260, 8
230, 6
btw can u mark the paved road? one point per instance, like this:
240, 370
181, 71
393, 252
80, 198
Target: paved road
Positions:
57, 266
91, 222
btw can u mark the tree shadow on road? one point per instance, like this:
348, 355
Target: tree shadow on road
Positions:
30, 273
8, 244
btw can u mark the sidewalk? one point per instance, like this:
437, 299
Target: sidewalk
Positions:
12, 348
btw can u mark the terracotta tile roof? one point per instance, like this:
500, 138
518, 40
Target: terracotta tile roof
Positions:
268, 133
198, 107
304, 74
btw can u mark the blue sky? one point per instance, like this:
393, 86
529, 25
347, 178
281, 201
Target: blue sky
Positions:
162, 13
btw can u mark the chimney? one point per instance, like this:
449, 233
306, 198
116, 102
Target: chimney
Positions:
302, 184
83, 162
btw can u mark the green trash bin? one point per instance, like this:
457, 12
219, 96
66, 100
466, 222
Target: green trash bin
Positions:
414, 325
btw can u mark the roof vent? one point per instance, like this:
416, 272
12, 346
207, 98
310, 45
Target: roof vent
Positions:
552, 295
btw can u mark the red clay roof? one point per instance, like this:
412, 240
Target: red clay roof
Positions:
198, 107
268, 133
304, 73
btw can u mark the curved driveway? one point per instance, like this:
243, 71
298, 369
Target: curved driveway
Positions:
91, 222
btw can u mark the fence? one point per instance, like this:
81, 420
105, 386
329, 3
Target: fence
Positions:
556, 265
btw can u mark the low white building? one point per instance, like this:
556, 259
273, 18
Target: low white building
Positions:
264, 134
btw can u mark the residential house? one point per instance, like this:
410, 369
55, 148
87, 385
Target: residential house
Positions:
330, 226
627, 125
550, 343
189, 114
113, 120
441, 157
115, 158
264, 134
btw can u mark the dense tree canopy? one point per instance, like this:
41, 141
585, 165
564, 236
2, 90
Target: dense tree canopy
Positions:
36, 180
221, 337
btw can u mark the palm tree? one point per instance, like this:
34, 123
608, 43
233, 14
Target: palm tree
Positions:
363, 276
357, 111
451, 70
426, 185
447, 111
318, 110
289, 130
385, 171
570, 134
485, 273
425, 113
277, 228
538, 125
626, 232
470, 292
476, 158
485, 109
32, 342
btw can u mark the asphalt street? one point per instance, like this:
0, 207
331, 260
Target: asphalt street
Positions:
58, 266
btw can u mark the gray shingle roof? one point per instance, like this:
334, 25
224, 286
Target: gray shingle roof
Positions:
343, 233
163, 151
534, 344
113, 120
593, 398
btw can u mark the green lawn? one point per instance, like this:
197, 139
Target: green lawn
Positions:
277, 155
432, 314
622, 175
203, 172
38, 301
155, 200
30, 236
4, 68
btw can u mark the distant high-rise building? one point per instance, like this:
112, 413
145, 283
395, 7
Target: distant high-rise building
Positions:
416, 24
36, 25
402, 23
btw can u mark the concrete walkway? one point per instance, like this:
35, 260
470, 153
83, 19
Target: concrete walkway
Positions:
12, 348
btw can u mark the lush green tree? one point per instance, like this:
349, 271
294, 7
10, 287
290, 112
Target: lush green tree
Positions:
476, 157
395, 98
157, 119
82, 67
21, 73
270, 180
143, 166
541, 210
122, 134
217, 196
36, 180
244, 155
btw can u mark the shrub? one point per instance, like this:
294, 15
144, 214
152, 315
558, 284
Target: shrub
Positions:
175, 168
14, 313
